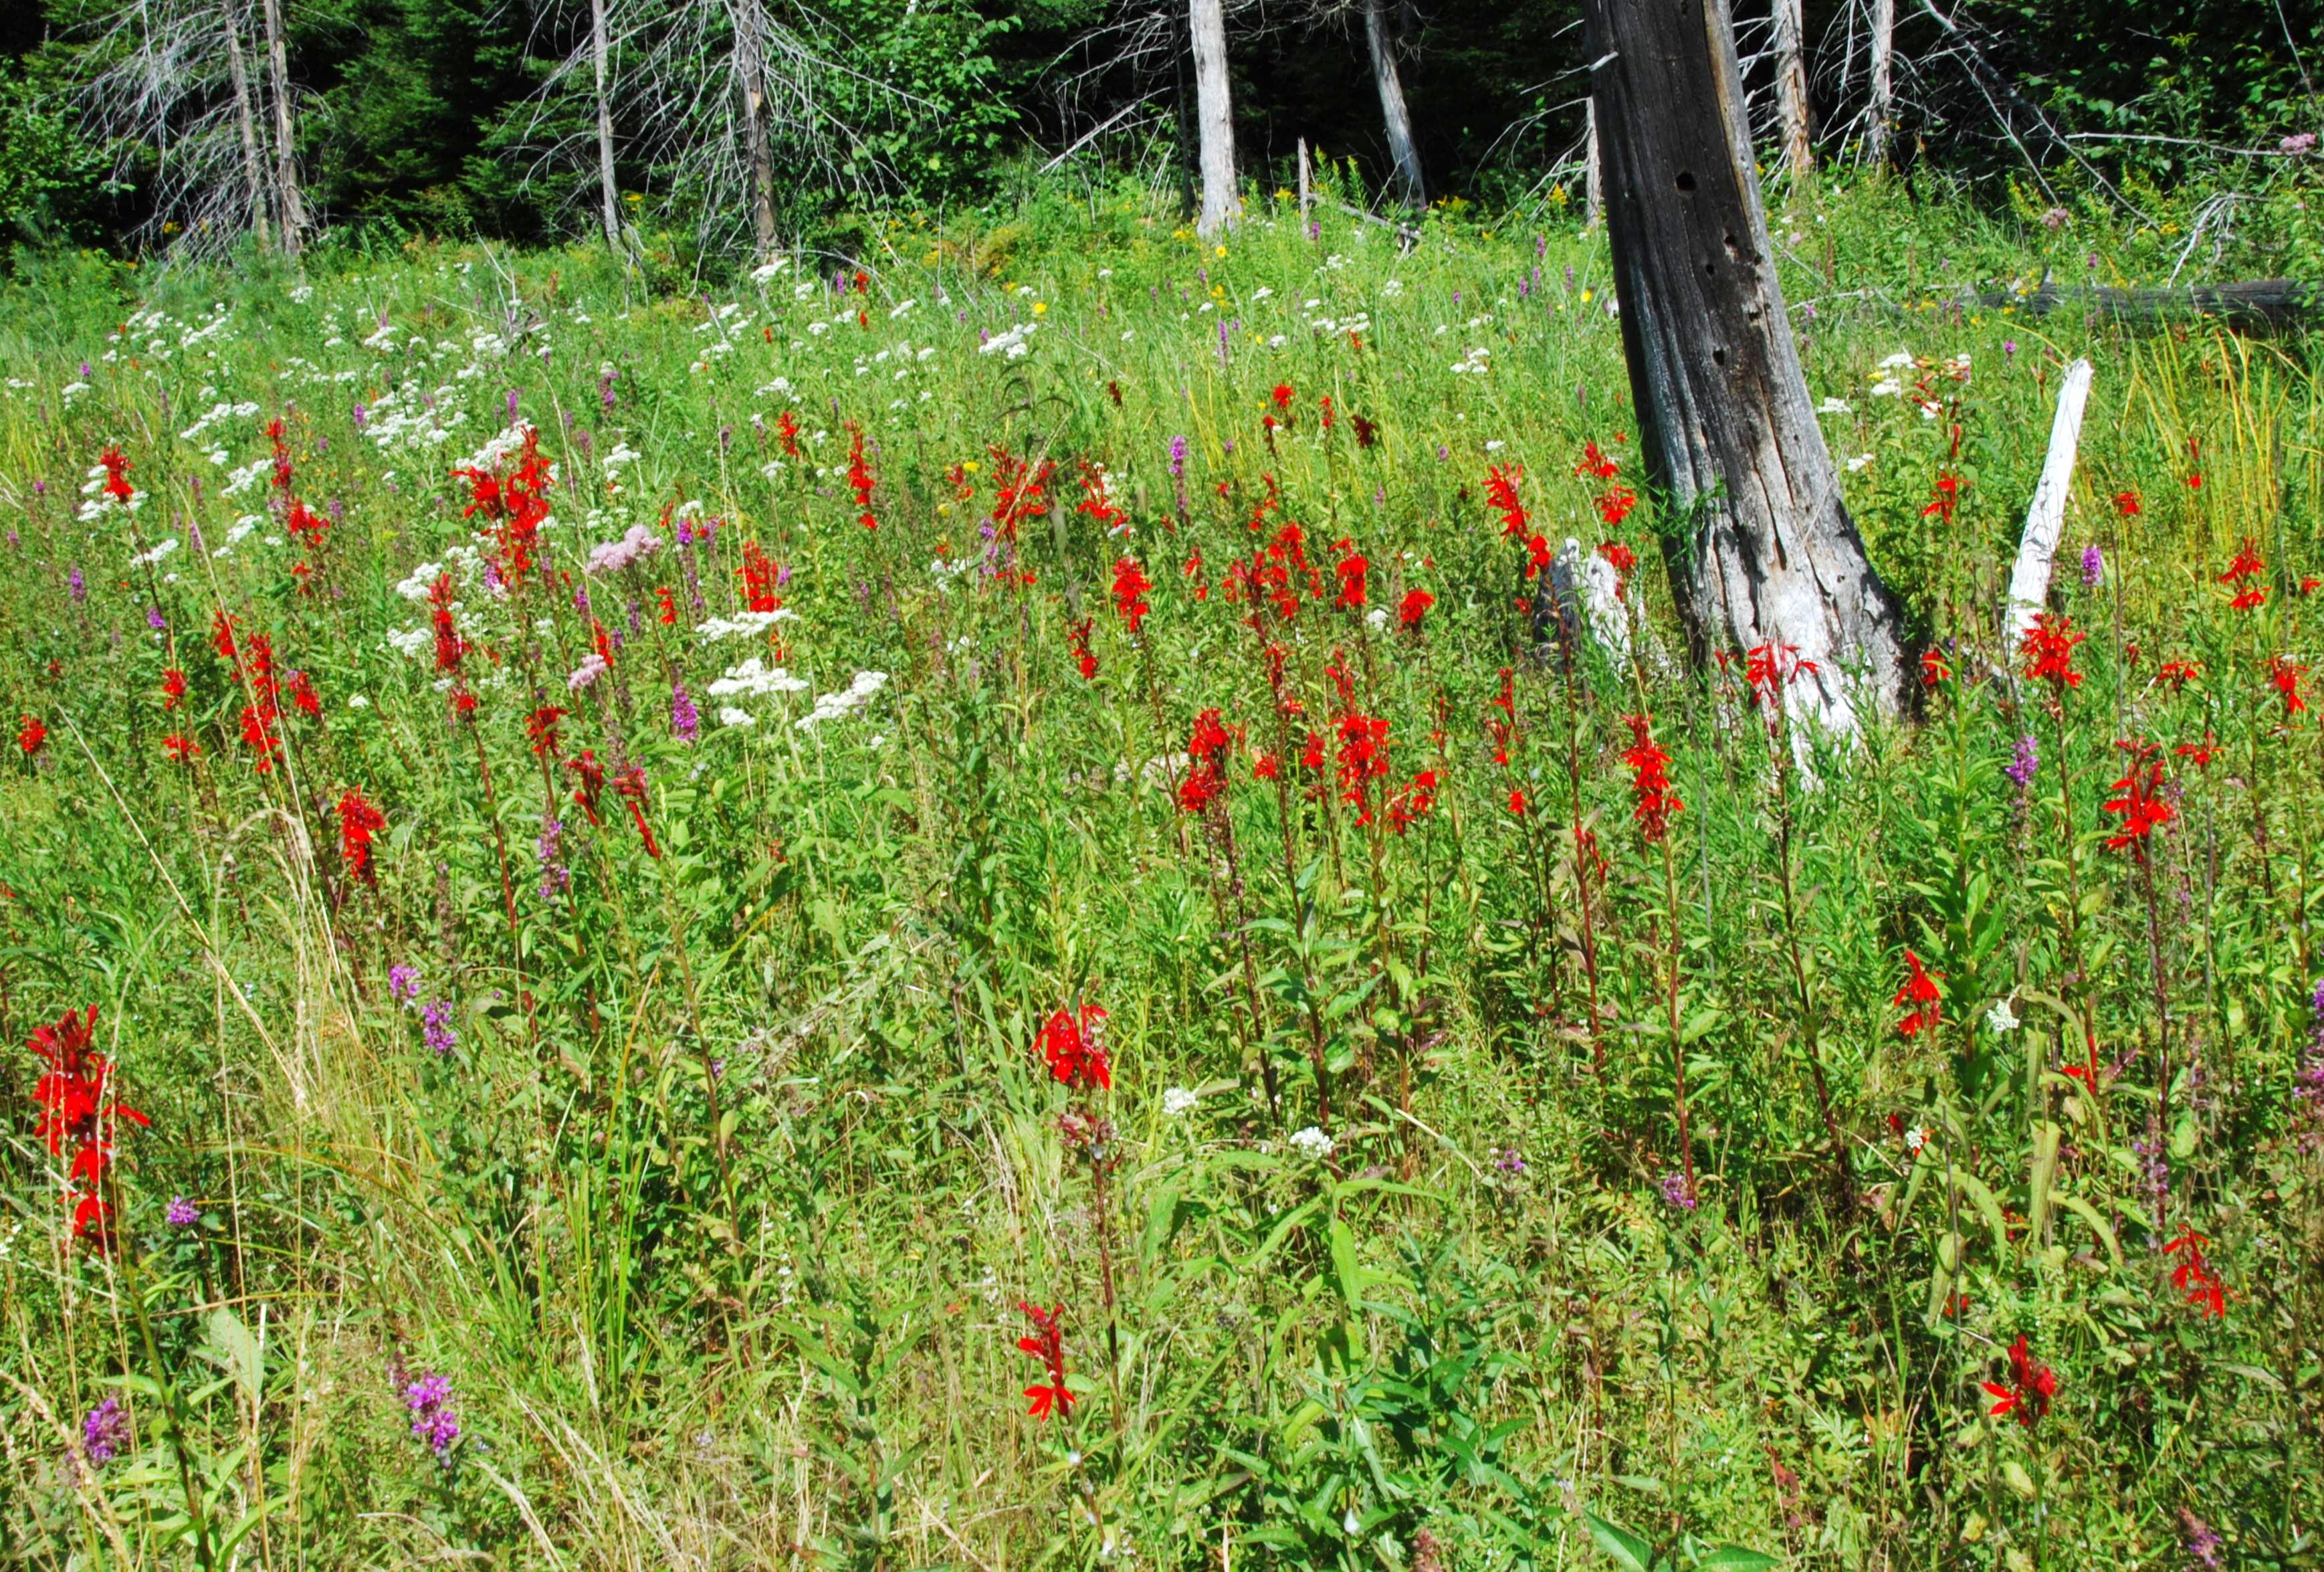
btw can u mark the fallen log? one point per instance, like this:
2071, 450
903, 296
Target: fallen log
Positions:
2256, 306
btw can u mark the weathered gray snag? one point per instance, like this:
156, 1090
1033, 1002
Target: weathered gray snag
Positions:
286, 160
750, 71
2256, 306
608, 199
1880, 118
254, 168
1402, 151
1762, 549
1791, 87
1206, 27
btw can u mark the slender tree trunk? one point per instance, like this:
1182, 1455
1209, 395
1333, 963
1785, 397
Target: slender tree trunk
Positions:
608, 199
253, 165
1791, 87
749, 66
1206, 25
1593, 171
286, 161
1882, 121
1401, 152
1761, 549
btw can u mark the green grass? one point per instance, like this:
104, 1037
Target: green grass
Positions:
718, 1213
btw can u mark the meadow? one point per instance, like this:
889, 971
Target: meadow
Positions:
972, 910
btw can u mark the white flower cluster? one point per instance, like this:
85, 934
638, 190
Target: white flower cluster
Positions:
1312, 1142
839, 706
753, 679
1476, 363
746, 623
218, 411
613, 556
1011, 344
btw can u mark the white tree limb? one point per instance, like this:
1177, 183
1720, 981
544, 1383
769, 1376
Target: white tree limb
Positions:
2045, 520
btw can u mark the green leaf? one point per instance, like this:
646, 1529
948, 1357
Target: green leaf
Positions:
1736, 1559
1622, 1546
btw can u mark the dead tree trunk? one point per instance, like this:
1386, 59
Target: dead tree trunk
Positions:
1206, 25
253, 165
1401, 152
1882, 114
286, 161
608, 198
1762, 550
750, 70
1791, 88
1593, 172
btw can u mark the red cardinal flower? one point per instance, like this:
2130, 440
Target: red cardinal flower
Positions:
2048, 652
1129, 587
1934, 669
74, 1112
173, 689
2032, 1385
1919, 996
1518, 806
1414, 803
2194, 1277
859, 477
32, 735
1077, 634
2178, 673
1501, 496
2285, 674
590, 778
2242, 576
541, 729
1283, 396
2138, 804
116, 475
1363, 759
180, 749
1413, 607
359, 820
1075, 1047
1206, 778
629, 785
2125, 502
1351, 570
1047, 1343
1650, 784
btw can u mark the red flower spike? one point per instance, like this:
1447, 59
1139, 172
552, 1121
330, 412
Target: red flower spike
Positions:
1047, 1344
2138, 803
1413, 608
629, 785
1919, 997
2032, 1385
1129, 587
76, 1112
2194, 1277
1650, 784
32, 735
2048, 652
590, 776
1073, 1045
2243, 577
2284, 674
359, 820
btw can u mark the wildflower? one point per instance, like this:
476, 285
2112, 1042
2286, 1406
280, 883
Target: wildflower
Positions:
1075, 1047
629, 785
1770, 669
2032, 1385
182, 1213
859, 478
1363, 759
2242, 576
1947, 502
1935, 668
1097, 499
359, 820
173, 689
2284, 673
105, 1431
1649, 781
1077, 634
1129, 587
540, 730
72, 1095
2001, 1018
593, 666
180, 749
1413, 608
591, 776
2127, 504
403, 983
2193, 1276
634, 545
761, 579
116, 475
2048, 651
1518, 806
1501, 496
2199, 754
1047, 1344
548, 851
1206, 749
684, 720
2178, 673
1414, 803
1595, 463
31, 734
1178, 1100
436, 1026
1676, 1193
2093, 565
1919, 992
433, 1420
1351, 570
1367, 432
1283, 396
1614, 504
2140, 810
1312, 1142
2203, 1540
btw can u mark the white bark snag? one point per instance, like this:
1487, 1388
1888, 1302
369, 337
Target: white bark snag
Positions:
1593, 198
609, 198
1401, 152
750, 71
286, 161
253, 165
1791, 88
1761, 549
1304, 189
1882, 112
1207, 25
2045, 520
